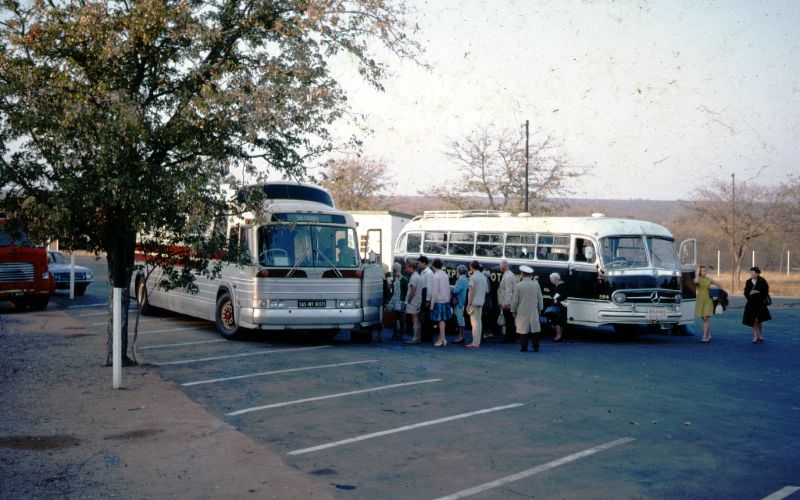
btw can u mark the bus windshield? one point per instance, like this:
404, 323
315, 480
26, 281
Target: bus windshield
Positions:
307, 245
624, 252
628, 252
662, 252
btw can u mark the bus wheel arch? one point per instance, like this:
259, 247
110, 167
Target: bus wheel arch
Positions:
225, 315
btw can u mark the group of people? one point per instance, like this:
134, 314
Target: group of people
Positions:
756, 310
423, 293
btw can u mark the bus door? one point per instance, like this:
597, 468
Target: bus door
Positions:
372, 294
687, 260
582, 280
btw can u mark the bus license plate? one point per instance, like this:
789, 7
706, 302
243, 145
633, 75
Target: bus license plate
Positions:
311, 303
656, 314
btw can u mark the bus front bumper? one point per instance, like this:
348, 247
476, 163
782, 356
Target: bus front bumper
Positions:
300, 319
641, 315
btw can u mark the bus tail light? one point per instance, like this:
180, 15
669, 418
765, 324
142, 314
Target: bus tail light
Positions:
263, 273
359, 274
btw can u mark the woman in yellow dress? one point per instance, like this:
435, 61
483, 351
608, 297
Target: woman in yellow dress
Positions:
704, 307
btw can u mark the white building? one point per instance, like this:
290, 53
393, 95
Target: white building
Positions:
378, 231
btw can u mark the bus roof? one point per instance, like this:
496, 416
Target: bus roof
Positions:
597, 225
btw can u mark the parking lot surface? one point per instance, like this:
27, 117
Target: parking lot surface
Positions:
649, 415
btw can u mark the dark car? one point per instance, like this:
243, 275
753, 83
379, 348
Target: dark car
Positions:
59, 268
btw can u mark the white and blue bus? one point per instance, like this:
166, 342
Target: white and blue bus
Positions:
299, 270
618, 272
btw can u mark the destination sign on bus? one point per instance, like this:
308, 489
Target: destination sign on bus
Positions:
309, 217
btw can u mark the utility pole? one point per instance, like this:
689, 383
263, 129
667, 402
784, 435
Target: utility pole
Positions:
527, 159
734, 277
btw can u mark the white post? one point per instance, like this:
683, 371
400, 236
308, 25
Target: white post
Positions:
116, 338
754, 259
718, 264
71, 275
788, 262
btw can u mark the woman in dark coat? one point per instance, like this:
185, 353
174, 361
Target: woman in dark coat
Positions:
756, 291
559, 321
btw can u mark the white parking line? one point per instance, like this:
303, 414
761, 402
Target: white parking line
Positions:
150, 320
169, 330
275, 372
87, 305
104, 313
260, 353
162, 346
783, 493
535, 470
331, 396
404, 428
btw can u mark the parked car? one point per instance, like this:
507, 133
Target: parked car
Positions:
59, 268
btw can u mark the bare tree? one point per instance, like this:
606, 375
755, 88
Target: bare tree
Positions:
493, 169
357, 184
738, 220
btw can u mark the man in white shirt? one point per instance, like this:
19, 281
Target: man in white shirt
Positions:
505, 290
478, 286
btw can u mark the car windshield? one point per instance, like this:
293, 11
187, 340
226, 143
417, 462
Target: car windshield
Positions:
662, 252
624, 252
307, 245
58, 258
8, 239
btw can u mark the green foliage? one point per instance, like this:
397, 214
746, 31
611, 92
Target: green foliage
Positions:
130, 117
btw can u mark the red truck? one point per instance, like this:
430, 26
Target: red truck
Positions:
24, 277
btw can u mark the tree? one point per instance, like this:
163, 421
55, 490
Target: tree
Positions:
739, 218
357, 184
127, 117
493, 169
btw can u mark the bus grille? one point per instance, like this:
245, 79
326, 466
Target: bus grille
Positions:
11, 272
652, 297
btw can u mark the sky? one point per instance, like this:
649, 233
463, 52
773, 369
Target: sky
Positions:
656, 98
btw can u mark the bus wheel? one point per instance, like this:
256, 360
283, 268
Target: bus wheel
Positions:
226, 318
141, 297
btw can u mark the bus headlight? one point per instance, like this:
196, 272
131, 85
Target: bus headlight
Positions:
619, 298
45, 275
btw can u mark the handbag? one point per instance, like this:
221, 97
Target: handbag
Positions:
552, 310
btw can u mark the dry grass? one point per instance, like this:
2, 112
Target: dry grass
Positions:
780, 285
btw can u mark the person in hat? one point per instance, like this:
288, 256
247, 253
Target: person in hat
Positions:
756, 291
526, 304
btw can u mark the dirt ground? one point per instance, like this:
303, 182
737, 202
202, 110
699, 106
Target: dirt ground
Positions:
66, 433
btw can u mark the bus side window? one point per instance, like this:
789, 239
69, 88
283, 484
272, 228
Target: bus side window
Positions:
489, 245
553, 247
461, 244
435, 242
413, 242
584, 251
520, 246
